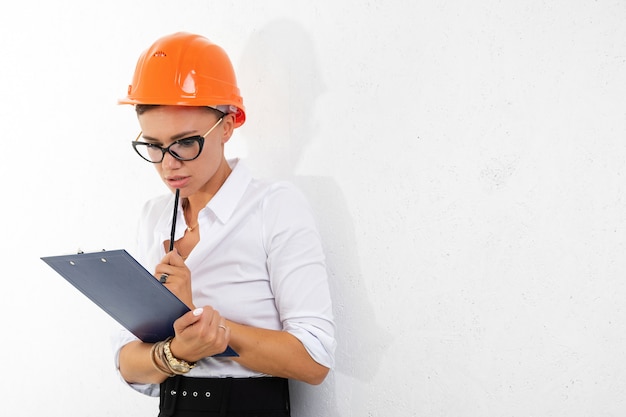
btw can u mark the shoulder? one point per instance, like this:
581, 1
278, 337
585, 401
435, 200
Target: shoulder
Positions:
280, 194
157, 203
154, 208
285, 205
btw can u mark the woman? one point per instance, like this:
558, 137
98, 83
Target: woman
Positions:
246, 256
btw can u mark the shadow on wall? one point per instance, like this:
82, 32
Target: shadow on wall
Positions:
280, 82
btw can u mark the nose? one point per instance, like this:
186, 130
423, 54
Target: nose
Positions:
169, 162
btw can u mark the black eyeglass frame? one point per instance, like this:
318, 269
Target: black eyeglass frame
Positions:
196, 138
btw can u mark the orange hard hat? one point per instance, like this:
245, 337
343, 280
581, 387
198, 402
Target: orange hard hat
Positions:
183, 69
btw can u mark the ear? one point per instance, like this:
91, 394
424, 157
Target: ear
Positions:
228, 127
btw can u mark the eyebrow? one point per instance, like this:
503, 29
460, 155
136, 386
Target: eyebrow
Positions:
174, 138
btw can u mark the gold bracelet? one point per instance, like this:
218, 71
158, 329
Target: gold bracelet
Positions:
164, 360
177, 366
158, 348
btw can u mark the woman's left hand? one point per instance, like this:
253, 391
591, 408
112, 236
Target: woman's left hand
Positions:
200, 333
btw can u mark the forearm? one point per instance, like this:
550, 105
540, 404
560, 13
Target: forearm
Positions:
276, 353
136, 365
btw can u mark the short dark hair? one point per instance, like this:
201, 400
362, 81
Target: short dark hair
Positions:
142, 108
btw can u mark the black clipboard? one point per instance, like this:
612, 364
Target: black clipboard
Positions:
125, 290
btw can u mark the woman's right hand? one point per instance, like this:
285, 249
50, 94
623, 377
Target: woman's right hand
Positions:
178, 279
200, 333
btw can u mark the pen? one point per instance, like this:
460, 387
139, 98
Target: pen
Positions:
174, 219
163, 278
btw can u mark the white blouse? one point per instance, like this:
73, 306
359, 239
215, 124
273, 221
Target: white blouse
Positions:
259, 262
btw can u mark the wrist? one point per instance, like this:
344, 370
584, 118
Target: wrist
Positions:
157, 357
165, 362
177, 349
175, 364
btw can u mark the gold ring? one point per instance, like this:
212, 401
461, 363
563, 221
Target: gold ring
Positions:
222, 326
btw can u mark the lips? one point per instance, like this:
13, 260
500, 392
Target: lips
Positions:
177, 181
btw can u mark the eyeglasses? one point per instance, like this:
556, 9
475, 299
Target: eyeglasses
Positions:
186, 149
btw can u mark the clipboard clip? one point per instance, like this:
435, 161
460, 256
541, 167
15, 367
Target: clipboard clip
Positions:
80, 251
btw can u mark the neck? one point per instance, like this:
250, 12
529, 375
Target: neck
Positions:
198, 200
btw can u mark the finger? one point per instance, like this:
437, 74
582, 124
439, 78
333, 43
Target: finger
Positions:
226, 333
169, 265
173, 258
188, 319
164, 272
222, 324
213, 323
163, 267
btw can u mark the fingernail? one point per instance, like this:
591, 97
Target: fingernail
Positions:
197, 311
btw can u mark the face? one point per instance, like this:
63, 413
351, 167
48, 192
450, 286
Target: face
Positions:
165, 124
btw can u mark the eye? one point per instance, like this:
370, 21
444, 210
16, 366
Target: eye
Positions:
187, 142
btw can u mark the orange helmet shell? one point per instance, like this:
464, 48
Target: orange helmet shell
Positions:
184, 69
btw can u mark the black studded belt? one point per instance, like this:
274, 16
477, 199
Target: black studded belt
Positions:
183, 396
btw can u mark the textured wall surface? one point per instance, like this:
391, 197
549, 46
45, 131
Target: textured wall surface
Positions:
465, 160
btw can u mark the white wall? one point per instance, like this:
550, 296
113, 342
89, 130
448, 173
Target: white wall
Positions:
466, 160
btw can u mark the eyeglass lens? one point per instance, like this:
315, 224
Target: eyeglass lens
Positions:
184, 150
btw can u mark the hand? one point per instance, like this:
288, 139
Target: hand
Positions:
178, 276
200, 333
